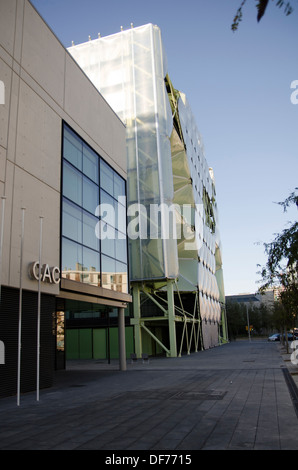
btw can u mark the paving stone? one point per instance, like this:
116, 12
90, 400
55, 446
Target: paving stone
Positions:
230, 397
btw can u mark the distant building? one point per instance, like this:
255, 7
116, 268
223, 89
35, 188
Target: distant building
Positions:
255, 300
244, 298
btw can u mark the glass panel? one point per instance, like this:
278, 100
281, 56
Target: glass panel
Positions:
106, 178
73, 148
91, 267
108, 267
108, 213
71, 260
90, 163
90, 195
89, 237
121, 277
121, 250
72, 221
108, 247
121, 219
119, 186
72, 184
81, 231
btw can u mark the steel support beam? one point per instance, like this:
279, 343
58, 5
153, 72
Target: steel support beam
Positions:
137, 316
121, 339
172, 313
171, 319
155, 338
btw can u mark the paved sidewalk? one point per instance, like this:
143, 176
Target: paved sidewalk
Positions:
236, 396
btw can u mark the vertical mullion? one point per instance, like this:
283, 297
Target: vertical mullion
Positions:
82, 210
99, 240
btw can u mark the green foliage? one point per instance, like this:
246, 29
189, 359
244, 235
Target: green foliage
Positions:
236, 314
260, 317
238, 17
282, 264
261, 8
282, 318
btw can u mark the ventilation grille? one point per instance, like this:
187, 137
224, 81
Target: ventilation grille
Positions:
9, 321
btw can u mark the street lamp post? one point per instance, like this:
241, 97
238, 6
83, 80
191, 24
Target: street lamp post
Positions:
248, 326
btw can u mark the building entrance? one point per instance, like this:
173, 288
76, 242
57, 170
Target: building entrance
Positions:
87, 330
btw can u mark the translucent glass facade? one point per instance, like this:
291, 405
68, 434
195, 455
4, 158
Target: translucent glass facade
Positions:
129, 70
167, 169
87, 183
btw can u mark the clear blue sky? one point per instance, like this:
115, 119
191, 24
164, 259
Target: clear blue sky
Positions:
238, 86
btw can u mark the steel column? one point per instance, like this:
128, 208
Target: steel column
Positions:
137, 317
171, 318
121, 339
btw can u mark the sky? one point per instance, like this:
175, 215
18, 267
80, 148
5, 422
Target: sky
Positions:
238, 85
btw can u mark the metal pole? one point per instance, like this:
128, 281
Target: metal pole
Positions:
171, 319
121, 339
20, 309
248, 328
109, 352
137, 317
1, 240
38, 311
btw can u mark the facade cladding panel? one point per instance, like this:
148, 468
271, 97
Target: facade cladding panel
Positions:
44, 88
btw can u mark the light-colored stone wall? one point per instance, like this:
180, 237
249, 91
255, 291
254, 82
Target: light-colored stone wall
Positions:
43, 86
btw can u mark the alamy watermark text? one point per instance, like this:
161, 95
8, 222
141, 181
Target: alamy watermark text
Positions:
153, 221
294, 94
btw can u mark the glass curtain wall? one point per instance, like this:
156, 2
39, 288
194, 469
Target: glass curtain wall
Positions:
94, 242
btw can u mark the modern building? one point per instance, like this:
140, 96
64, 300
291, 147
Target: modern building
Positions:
267, 298
109, 234
62, 155
175, 255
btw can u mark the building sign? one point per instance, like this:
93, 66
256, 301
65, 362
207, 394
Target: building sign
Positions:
48, 274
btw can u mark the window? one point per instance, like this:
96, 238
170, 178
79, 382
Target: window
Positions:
87, 182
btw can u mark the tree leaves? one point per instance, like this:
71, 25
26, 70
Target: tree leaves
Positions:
261, 7
238, 17
282, 261
288, 7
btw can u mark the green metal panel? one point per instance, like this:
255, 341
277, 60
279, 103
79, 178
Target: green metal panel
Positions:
72, 344
113, 343
158, 334
85, 340
92, 343
99, 343
129, 342
147, 342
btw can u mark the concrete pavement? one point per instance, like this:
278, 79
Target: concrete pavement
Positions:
239, 396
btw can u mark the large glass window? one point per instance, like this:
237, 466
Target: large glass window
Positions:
72, 184
88, 255
73, 147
